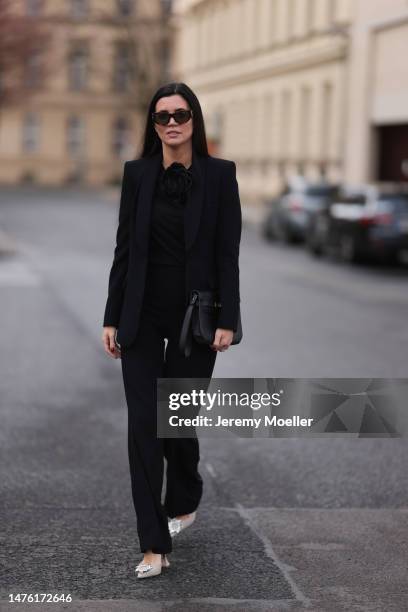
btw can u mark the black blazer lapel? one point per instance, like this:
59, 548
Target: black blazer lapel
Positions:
193, 207
195, 200
149, 173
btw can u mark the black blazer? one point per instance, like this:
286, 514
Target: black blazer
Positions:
212, 229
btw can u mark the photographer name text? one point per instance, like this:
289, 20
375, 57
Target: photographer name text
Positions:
267, 421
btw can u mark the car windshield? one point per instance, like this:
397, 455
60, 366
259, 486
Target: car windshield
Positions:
353, 199
399, 202
321, 190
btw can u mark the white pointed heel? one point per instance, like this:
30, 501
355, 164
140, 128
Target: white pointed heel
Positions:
147, 570
177, 525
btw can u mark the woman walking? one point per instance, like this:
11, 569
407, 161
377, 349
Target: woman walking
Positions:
179, 229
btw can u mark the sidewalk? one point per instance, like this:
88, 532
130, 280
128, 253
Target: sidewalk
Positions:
252, 215
8, 246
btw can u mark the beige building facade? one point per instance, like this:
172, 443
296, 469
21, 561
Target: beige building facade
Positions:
272, 79
86, 117
377, 130
315, 87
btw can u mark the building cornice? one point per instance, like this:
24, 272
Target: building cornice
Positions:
261, 65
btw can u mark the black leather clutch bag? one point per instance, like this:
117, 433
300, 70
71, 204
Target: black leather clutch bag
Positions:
200, 321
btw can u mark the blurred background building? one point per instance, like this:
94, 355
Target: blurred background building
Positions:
311, 87
272, 76
72, 98
377, 128
316, 88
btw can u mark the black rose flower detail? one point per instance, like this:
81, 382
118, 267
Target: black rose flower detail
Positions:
176, 182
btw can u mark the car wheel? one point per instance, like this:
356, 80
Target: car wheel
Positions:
392, 258
267, 232
313, 245
348, 249
317, 251
285, 235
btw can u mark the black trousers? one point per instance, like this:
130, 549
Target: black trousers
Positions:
142, 363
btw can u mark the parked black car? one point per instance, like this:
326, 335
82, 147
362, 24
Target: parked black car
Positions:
369, 224
288, 216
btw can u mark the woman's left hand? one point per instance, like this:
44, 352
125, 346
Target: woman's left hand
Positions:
222, 339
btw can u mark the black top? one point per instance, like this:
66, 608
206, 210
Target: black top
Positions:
167, 244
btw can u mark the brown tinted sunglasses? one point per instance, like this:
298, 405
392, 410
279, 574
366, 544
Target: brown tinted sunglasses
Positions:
180, 116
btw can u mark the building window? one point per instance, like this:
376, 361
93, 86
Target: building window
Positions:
218, 125
326, 121
125, 7
33, 8
75, 137
122, 67
79, 9
331, 9
31, 133
121, 138
32, 70
290, 16
286, 124
167, 6
78, 66
304, 122
310, 16
165, 57
273, 22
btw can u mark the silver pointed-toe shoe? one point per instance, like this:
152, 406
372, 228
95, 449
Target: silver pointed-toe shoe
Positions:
177, 525
147, 570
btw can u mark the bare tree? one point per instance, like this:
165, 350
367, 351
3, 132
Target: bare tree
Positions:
23, 44
140, 45
141, 41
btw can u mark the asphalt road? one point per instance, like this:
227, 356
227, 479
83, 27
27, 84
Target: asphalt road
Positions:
288, 524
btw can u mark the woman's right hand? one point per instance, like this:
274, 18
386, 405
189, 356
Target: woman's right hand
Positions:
108, 339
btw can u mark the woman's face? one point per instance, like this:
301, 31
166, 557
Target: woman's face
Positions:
173, 134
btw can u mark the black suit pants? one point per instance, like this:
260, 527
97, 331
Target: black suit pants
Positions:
142, 363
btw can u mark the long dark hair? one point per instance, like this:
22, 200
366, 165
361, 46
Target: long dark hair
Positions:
151, 141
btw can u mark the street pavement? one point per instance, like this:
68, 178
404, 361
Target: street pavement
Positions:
284, 524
